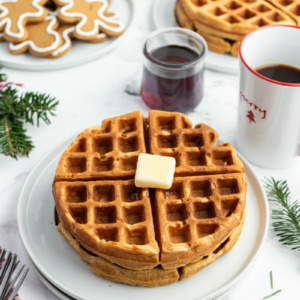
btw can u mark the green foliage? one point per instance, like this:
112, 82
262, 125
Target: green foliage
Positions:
3, 77
15, 110
286, 215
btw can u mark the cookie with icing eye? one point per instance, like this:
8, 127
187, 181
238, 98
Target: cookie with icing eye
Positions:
15, 16
43, 39
90, 17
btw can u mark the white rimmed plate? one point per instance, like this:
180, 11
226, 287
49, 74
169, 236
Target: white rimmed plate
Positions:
164, 16
80, 52
62, 267
57, 292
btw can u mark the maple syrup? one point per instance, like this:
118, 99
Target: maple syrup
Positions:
179, 84
279, 72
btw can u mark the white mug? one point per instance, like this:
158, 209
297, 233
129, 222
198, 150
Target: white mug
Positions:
268, 125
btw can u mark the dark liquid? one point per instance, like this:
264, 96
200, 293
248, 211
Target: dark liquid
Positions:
171, 94
281, 73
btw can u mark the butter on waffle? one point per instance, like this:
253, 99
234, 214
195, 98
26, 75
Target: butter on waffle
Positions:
149, 237
112, 219
109, 151
194, 149
232, 19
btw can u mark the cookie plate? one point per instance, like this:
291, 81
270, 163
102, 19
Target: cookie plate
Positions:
80, 52
62, 267
164, 16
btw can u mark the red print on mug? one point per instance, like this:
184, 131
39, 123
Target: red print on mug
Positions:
250, 114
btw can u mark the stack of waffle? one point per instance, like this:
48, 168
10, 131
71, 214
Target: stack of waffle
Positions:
149, 237
223, 23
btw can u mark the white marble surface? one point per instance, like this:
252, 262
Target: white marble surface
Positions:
108, 87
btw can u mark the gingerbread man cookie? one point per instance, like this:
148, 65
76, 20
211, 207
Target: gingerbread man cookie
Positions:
91, 17
16, 14
67, 33
43, 38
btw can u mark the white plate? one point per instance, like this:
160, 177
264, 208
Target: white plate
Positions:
61, 265
80, 52
57, 292
164, 16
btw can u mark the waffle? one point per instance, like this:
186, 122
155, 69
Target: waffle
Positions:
150, 237
195, 214
290, 7
231, 20
109, 151
148, 277
214, 42
194, 150
112, 219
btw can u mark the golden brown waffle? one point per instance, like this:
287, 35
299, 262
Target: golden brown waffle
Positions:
290, 7
112, 219
109, 151
232, 19
142, 235
194, 149
214, 42
147, 277
196, 214
234, 16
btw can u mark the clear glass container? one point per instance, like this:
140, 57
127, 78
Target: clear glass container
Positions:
173, 69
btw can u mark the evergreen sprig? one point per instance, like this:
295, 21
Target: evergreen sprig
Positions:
286, 215
16, 109
3, 77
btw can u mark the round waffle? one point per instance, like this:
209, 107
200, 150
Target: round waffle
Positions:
149, 233
225, 22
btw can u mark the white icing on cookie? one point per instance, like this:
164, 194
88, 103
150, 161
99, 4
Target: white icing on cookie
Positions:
7, 21
101, 22
101, 36
31, 44
66, 41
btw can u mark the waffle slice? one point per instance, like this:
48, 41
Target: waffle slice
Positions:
112, 219
197, 214
290, 7
223, 248
171, 134
108, 270
220, 45
148, 277
214, 42
109, 151
228, 18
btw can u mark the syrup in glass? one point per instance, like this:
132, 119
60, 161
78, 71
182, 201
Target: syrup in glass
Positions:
168, 92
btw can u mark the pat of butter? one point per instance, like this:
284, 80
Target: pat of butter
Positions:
154, 171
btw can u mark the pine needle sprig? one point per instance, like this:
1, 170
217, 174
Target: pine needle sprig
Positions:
13, 138
35, 104
3, 77
286, 215
16, 109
